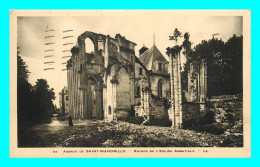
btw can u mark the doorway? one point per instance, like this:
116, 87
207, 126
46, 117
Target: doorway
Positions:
94, 99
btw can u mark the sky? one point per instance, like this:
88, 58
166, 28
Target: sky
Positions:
137, 26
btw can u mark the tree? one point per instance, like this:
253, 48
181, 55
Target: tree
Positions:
176, 34
24, 92
22, 71
187, 44
186, 52
44, 97
34, 103
234, 67
224, 62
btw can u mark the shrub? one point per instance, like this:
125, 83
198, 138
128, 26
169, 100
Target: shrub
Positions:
201, 120
189, 124
62, 118
216, 129
135, 120
159, 122
207, 119
204, 123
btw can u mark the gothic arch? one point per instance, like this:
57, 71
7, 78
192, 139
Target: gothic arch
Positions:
89, 45
92, 36
94, 98
160, 88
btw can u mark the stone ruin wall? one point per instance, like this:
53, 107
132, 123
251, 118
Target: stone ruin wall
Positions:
222, 105
110, 94
198, 102
197, 89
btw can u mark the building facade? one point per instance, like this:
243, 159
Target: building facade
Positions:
64, 101
112, 82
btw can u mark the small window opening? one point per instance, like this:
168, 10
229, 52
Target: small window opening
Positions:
160, 66
140, 71
109, 110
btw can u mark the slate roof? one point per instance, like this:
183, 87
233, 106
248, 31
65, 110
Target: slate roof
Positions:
149, 56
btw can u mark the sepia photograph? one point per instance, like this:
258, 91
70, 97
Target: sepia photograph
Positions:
130, 83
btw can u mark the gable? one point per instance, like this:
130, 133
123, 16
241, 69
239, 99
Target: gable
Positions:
150, 57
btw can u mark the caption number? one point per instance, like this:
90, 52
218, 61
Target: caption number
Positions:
54, 151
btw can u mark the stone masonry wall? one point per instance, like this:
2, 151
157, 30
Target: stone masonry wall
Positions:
228, 104
220, 105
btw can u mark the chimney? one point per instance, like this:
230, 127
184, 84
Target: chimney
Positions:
142, 50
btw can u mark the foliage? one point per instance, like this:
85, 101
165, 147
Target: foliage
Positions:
44, 97
187, 44
34, 103
164, 122
176, 34
135, 120
203, 119
205, 123
121, 134
165, 101
208, 118
56, 109
22, 73
24, 92
234, 141
224, 64
174, 50
216, 129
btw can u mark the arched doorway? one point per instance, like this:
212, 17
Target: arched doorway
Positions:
159, 88
94, 99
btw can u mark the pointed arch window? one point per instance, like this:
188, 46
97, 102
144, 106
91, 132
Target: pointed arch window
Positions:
89, 46
89, 50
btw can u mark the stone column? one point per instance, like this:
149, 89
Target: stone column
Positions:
145, 97
179, 91
114, 100
203, 85
172, 90
146, 102
98, 103
69, 86
105, 107
80, 104
205, 80
176, 90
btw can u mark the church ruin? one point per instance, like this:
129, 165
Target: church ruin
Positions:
112, 82
103, 81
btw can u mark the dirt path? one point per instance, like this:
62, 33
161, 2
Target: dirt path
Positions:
54, 126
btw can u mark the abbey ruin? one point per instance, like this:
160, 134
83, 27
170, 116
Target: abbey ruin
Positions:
113, 82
